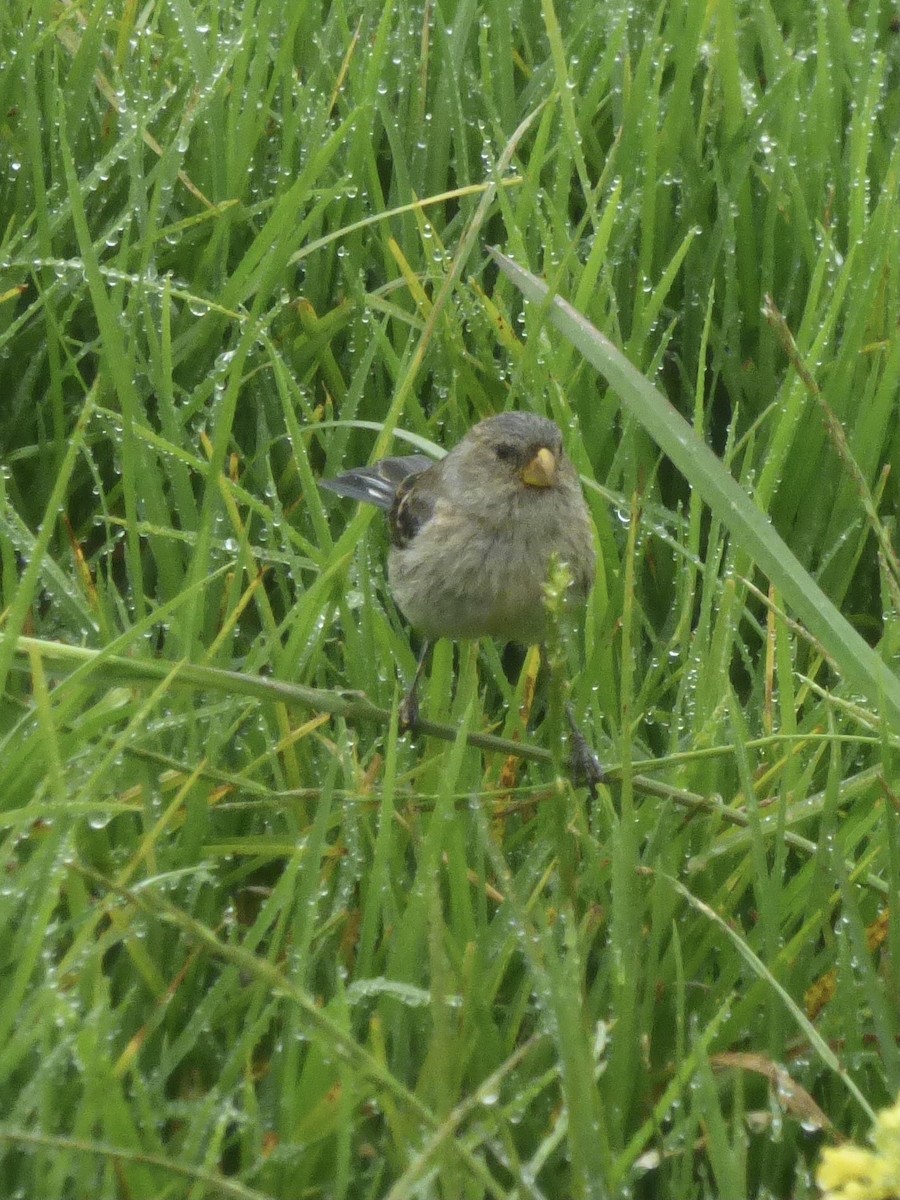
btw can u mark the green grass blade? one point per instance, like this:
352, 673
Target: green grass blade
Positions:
858, 662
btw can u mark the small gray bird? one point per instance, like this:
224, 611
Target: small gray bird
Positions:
472, 535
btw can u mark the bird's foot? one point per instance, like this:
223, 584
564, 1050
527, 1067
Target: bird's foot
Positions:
585, 768
408, 716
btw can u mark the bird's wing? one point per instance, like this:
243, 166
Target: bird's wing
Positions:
413, 507
379, 483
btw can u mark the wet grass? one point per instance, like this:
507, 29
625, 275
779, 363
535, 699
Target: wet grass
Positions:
253, 943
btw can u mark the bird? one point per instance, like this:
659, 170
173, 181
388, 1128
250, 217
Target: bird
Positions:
473, 536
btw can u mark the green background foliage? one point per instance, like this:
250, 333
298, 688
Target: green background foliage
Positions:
254, 945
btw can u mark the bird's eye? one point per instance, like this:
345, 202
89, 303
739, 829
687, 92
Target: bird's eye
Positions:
505, 452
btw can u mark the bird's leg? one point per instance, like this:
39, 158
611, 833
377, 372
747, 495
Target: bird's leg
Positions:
583, 763
409, 705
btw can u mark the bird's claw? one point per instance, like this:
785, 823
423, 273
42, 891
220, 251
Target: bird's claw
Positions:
408, 716
585, 768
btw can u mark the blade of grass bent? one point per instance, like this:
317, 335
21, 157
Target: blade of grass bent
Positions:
857, 661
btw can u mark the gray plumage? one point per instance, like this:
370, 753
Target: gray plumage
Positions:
472, 535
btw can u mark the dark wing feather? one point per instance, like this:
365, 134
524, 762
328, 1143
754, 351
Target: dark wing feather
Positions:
413, 507
378, 484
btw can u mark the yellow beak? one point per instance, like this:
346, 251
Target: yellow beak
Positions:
541, 470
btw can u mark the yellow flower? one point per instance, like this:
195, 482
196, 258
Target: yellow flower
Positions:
852, 1173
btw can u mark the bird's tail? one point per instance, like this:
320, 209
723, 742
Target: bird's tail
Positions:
377, 484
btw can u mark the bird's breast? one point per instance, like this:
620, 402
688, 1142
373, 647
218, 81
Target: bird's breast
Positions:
481, 573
